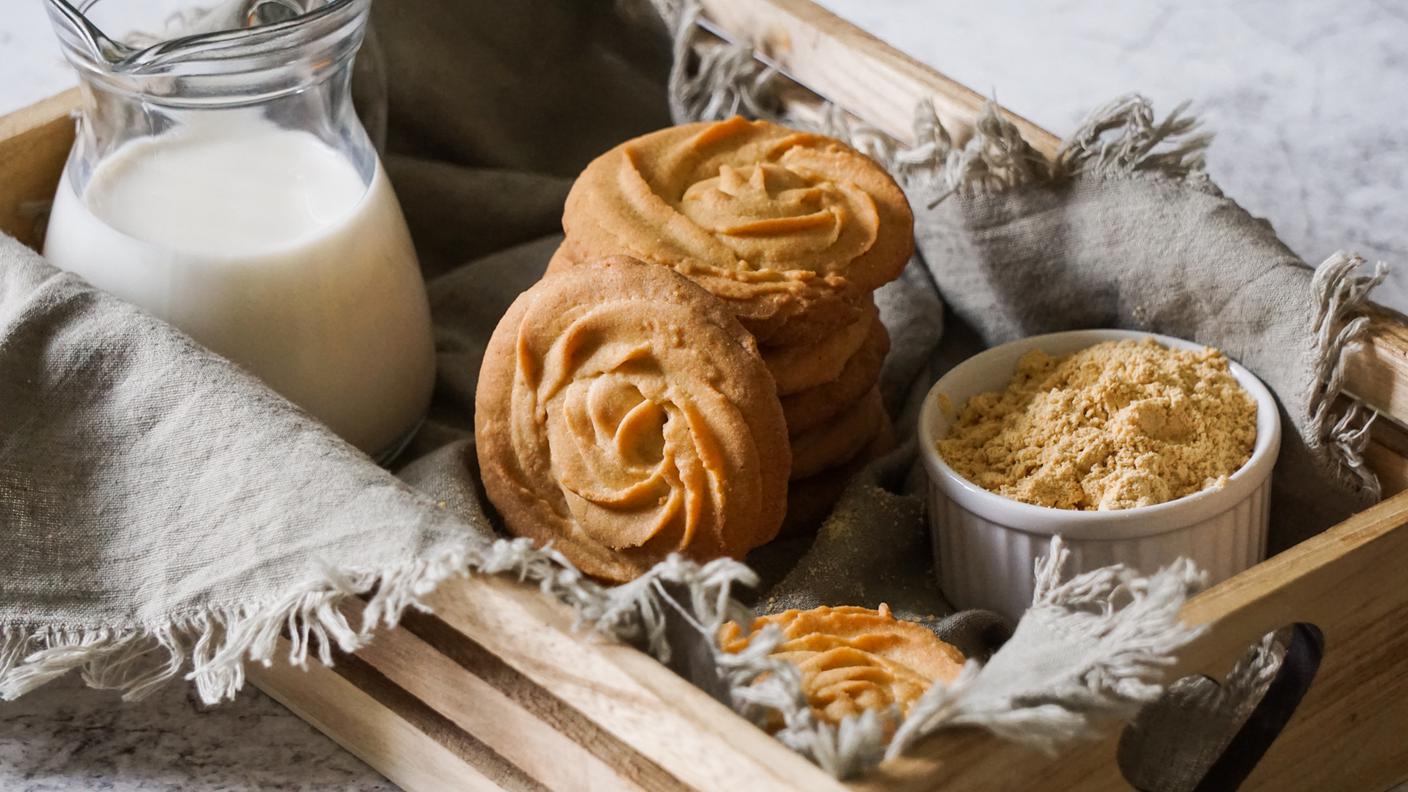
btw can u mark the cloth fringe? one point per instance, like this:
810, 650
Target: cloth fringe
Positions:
714, 83
218, 641
1121, 139
1249, 678
1128, 630
1341, 296
1171, 147
1135, 639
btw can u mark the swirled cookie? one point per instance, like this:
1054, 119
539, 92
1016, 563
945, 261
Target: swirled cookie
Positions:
787, 227
854, 659
815, 406
623, 414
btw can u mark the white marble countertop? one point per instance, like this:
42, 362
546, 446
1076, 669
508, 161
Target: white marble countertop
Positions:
1310, 103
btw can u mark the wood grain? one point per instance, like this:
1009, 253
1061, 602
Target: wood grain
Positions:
361, 717
1348, 731
1377, 370
1387, 455
34, 143
623, 691
855, 70
510, 715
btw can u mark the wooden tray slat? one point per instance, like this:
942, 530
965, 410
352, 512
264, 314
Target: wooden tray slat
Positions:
510, 715
358, 714
625, 692
856, 70
1377, 371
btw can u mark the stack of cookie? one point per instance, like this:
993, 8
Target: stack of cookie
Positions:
794, 232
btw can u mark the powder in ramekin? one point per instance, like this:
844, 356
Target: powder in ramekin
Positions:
1118, 425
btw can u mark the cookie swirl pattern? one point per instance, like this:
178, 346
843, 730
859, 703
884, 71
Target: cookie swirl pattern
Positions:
854, 659
784, 225
623, 414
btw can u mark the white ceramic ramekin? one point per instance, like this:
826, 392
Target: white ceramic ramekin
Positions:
986, 545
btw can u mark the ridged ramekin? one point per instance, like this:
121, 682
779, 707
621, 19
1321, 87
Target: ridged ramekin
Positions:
986, 545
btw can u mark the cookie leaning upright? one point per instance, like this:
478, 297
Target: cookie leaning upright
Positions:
793, 230
622, 414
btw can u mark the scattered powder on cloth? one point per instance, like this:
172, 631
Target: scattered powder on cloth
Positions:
1118, 425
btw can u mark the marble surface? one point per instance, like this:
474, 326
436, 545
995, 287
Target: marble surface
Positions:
68, 737
1310, 103
1308, 100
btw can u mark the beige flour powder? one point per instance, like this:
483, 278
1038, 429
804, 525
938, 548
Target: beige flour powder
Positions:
1118, 425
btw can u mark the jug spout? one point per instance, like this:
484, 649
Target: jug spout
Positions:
76, 31
147, 67
135, 38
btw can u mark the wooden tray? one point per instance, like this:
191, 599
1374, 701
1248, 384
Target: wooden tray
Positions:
496, 690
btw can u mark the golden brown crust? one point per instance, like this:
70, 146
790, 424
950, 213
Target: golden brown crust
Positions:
815, 406
798, 368
784, 226
823, 316
838, 441
855, 659
622, 414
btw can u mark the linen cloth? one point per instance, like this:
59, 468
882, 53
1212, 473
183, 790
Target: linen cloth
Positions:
168, 515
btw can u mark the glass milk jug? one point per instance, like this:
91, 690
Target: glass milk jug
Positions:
222, 181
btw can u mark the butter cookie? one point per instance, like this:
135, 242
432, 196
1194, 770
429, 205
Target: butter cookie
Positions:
791, 229
838, 441
816, 405
622, 414
855, 659
797, 368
